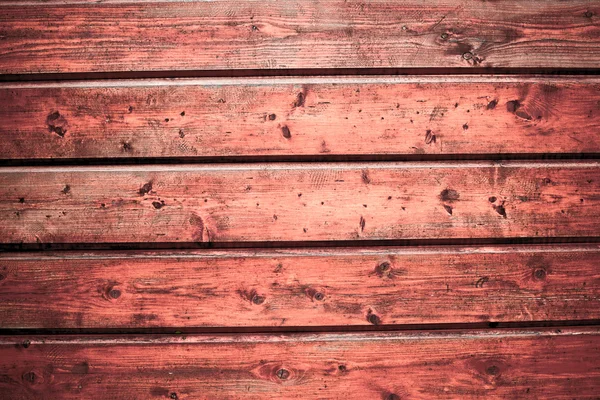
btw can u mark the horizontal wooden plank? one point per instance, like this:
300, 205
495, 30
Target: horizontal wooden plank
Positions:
300, 117
467, 365
270, 34
298, 202
309, 287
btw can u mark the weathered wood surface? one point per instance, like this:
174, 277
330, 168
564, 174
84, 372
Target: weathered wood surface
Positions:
300, 116
298, 202
495, 364
270, 34
305, 287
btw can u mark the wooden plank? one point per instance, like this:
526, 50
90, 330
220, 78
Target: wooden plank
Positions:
464, 364
300, 117
298, 202
307, 287
270, 34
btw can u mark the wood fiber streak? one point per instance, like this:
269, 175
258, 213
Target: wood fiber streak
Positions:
332, 287
300, 117
298, 202
270, 34
466, 365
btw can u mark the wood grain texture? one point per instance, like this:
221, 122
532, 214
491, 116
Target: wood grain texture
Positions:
298, 202
309, 287
467, 365
300, 117
270, 34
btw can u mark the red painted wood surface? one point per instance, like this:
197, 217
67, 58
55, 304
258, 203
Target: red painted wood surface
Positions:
471, 364
269, 34
298, 202
304, 287
300, 116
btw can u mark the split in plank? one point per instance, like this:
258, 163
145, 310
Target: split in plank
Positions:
271, 34
195, 118
305, 287
461, 364
298, 202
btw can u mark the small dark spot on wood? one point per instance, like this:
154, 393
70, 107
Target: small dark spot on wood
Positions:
26, 343
274, 217
449, 195
158, 204
393, 396
546, 181
513, 105
130, 109
492, 199
383, 268
114, 293
342, 368
465, 127
30, 377
455, 105
444, 36
468, 55
373, 319
282, 373
272, 117
540, 274
429, 137
21, 200
285, 131
481, 281
500, 209
2, 277
102, 205
319, 296
221, 101
492, 370
181, 133
143, 318
254, 28
167, 120
182, 113
66, 189
57, 123
173, 396
492, 104
304, 230
300, 99
145, 189
523, 114
159, 392
362, 223
81, 369
365, 176
258, 300
448, 209
588, 14
299, 194
126, 146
